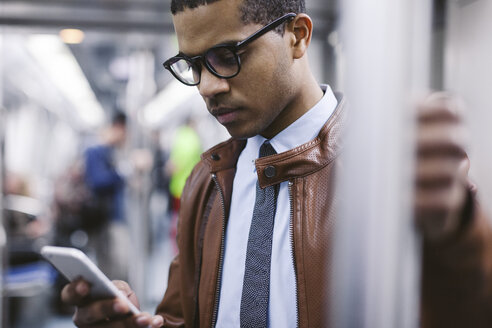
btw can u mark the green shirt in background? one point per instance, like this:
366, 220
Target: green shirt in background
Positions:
185, 153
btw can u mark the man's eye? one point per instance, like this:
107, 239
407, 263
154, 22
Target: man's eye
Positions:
229, 60
221, 56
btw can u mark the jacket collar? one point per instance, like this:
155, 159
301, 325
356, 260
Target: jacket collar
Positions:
299, 161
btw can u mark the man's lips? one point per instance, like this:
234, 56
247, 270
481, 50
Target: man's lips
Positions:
224, 115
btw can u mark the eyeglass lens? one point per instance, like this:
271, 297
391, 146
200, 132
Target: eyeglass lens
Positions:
184, 70
222, 61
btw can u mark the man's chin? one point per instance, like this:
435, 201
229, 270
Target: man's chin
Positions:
240, 135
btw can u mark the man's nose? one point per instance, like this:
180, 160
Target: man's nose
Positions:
211, 85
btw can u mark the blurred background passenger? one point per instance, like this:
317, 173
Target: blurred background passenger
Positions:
185, 153
28, 226
70, 224
160, 197
70, 195
108, 236
26, 217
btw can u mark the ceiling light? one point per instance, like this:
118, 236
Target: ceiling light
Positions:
72, 36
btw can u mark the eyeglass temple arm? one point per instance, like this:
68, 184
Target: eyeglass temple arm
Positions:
265, 29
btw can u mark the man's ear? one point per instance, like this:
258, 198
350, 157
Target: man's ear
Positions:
301, 29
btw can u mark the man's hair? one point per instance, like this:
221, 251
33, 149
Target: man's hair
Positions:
259, 12
119, 118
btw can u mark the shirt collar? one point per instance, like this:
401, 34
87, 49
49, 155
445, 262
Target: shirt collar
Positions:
304, 129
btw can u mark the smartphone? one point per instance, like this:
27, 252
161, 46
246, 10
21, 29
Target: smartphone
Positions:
74, 264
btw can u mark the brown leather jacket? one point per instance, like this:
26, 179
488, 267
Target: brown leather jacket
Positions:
191, 299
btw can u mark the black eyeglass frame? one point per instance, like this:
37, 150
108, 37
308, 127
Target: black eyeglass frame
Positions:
233, 48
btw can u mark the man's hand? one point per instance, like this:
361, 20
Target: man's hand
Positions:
107, 313
442, 168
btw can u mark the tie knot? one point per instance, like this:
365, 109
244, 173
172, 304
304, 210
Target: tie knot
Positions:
266, 149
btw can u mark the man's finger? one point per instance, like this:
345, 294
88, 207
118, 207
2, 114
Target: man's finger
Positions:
448, 199
440, 107
127, 291
128, 322
75, 293
99, 311
157, 321
441, 140
436, 173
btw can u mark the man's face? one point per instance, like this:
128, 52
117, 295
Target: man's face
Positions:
252, 102
118, 134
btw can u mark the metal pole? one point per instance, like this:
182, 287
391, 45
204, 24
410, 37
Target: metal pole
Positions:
140, 89
377, 251
3, 236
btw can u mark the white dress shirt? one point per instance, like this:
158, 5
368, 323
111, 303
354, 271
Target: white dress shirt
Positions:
282, 310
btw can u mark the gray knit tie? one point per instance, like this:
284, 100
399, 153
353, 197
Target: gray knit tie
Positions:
256, 285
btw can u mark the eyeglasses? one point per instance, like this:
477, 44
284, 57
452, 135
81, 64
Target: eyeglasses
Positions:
221, 60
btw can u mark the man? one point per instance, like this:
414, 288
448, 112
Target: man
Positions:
248, 60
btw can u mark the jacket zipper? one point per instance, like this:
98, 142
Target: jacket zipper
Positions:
291, 198
221, 255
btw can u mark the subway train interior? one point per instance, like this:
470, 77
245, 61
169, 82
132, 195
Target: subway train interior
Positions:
70, 69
